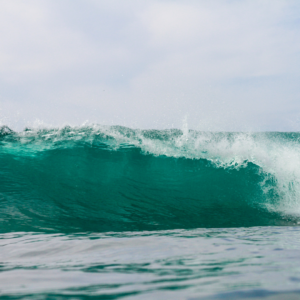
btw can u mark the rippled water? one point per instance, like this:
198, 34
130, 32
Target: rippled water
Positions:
176, 264
111, 212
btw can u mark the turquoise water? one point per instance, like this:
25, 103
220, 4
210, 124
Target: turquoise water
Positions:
111, 212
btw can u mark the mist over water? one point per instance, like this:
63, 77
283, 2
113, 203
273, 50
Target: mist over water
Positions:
148, 213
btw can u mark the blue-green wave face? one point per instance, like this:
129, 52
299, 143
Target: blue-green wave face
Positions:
117, 179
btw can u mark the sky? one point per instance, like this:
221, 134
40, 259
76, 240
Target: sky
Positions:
220, 65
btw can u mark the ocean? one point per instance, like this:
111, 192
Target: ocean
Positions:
109, 212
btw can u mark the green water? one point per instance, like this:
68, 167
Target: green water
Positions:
111, 212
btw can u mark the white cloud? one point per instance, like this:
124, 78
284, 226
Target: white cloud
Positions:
229, 65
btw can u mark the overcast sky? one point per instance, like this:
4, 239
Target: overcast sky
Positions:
221, 64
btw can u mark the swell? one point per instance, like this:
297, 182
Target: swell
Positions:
75, 180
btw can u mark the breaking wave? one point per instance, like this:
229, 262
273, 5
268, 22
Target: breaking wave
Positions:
101, 178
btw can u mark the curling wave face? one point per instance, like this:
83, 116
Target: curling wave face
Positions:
100, 178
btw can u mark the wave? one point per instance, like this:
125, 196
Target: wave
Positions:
101, 178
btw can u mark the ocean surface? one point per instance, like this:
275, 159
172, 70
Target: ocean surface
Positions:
109, 212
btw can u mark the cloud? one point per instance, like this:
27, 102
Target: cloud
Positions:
228, 65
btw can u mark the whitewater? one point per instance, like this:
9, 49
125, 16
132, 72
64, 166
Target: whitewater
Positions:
110, 212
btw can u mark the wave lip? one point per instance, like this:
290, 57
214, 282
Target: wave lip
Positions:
5, 130
102, 178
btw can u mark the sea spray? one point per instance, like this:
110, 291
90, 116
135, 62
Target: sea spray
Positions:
109, 212
101, 178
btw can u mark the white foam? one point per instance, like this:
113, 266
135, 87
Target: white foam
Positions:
276, 154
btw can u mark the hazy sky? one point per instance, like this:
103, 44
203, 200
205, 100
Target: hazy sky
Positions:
222, 64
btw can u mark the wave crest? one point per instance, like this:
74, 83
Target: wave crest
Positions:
101, 178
